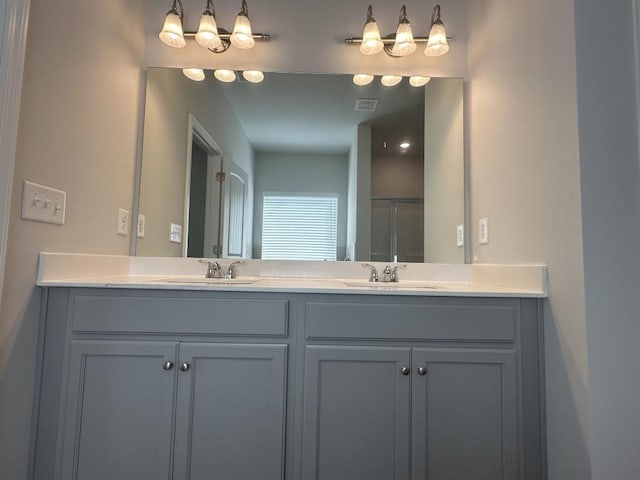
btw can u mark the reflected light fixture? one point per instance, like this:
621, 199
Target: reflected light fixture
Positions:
402, 42
371, 41
405, 145
253, 76
390, 80
195, 74
242, 36
172, 33
419, 81
362, 79
207, 34
225, 76
437, 44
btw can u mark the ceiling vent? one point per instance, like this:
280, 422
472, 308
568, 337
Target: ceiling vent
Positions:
366, 104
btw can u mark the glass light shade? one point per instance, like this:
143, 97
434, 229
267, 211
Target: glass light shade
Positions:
437, 44
207, 35
172, 33
371, 41
225, 75
242, 36
195, 74
404, 45
390, 80
253, 76
362, 79
419, 81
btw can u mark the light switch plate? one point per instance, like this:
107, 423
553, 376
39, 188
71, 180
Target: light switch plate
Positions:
122, 227
141, 221
460, 235
483, 231
43, 204
175, 233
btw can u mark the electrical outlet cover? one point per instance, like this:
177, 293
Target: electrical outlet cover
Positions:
141, 223
483, 231
175, 233
460, 235
122, 228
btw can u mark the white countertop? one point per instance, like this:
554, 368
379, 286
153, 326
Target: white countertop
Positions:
106, 271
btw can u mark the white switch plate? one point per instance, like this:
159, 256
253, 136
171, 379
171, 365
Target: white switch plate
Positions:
175, 233
483, 231
141, 221
43, 204
122, 227
460, 235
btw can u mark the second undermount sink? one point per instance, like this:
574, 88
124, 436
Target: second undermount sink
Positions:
210, 281
392, 285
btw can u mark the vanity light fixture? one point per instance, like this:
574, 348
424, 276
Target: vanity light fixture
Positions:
209, 35
225, 76
419, 81
402, 42
390, 80
362, 79
195, 74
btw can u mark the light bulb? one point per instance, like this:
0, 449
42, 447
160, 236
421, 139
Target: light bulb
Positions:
405, 145
371, 41
225, 75
195, 74
172, 33
437, 44
242, 36
207, 35
362, 79
419, 81
390, 80
253, 76
404, 45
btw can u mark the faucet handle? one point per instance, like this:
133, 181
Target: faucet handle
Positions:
373, 275
213, 269
394, 273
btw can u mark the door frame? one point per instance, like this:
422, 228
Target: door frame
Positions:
13, 31
199, 134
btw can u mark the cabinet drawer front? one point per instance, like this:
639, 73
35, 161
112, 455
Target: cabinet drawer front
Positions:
455, 322
179, 315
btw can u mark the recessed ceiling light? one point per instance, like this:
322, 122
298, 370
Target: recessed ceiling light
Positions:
405, 145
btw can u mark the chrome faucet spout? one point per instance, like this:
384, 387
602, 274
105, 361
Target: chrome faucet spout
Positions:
214, 270
373, 274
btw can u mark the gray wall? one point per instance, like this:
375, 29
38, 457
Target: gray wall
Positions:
78, 133
608, 128
397, 176
170, 98
301, 173
525, 177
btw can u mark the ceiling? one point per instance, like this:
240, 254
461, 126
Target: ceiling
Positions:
315, 113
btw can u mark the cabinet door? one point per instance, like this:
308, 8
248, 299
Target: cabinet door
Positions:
356, 418
231, 411
119, 411
464, 415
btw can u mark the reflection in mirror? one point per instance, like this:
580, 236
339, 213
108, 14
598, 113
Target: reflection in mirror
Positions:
302, 166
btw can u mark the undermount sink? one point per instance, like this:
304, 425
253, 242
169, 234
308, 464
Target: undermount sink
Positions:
210, 281
391, 285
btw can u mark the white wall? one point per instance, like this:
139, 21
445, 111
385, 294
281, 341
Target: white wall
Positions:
170, 98
301, 173
363, 193
525, 177
608, 127
78, 129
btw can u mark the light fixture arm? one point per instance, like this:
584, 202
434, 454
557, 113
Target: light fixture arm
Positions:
174, 9
435, 15
244, 11
210, 9
369, 15
403, 15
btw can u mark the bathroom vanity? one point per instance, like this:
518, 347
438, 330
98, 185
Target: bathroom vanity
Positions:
293, 378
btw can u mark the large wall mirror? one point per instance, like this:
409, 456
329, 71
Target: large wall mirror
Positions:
302, 166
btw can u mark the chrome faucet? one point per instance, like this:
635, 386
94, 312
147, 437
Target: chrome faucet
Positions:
214, 270
391, 274
231, 269
373, 274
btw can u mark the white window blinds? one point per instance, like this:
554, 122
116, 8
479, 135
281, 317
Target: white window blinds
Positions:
299, 227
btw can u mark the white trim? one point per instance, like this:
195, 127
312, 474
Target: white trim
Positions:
197, 131
12, 57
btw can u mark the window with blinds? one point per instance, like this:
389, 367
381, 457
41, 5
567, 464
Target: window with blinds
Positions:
299, 227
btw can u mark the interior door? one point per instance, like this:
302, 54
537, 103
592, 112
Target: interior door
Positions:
235, 212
